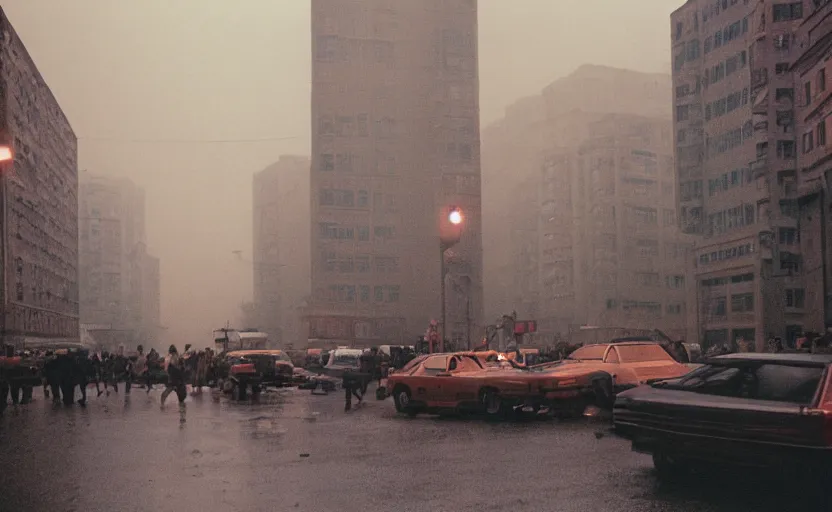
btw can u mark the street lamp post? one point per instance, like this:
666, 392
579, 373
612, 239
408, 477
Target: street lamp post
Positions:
448, 237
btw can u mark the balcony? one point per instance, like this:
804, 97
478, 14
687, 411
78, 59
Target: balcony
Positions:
758, 167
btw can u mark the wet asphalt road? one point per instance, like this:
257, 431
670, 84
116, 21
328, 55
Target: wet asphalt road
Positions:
213, 455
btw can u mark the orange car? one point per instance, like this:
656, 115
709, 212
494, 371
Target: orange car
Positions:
461, 381
598, 372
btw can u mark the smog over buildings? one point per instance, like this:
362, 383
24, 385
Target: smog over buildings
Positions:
183, 115
580, 241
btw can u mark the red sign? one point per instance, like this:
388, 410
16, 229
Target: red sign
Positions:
525, 326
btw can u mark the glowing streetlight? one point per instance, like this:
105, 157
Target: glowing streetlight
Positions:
6, 154
455, 217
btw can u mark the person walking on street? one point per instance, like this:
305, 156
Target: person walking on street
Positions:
367, 367
140, 372
176, 376
351, 381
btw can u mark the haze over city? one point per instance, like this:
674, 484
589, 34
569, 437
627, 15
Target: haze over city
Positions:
141, 81
363, 255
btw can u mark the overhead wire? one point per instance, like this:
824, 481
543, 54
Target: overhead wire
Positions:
185, 141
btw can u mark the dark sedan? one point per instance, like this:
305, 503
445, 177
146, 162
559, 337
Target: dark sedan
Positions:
763, 410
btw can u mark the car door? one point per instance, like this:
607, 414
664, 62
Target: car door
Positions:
429, 383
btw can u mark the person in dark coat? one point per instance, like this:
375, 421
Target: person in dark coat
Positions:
67, 375
83, 372
176, 376
51, 372
351, 381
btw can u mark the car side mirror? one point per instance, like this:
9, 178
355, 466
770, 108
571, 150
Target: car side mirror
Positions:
443, 374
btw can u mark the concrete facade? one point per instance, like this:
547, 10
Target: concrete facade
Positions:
580, 225
39, 204
119, 280
811, 73
736, 165
395, 145
282, 249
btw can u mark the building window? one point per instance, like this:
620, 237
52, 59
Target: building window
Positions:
788, 236
742, 303
326, 126
364, 234
675, 309
363, 199
808, 90
19, 291
682, 113
785, 149
362, 263
669, 217
327, 162
647, 279
678, 30
822, 80
784, 93
393, 293
363, 125
378, 292
675, 282
384, 232
821, 137
808, 142
795, 298
364, 293
788, 12
781, 68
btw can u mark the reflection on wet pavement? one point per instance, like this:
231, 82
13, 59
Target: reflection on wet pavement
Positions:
293, 451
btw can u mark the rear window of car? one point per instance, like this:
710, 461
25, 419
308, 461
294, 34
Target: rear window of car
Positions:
642, 353
769, 382
412, 364
589, 353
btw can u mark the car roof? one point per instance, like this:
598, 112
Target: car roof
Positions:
255, 353
783, 357
621, 344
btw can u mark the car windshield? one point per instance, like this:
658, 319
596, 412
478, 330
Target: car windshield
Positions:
770, 381
642, 353
346, 360
589, 353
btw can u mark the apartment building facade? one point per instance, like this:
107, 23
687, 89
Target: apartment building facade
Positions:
39, 195
119, 280
591, 237
395, 144
811, 72
282, 245
736, 165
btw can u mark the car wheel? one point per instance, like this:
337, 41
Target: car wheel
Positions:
491, 403
401, 398
669, 467
603, 393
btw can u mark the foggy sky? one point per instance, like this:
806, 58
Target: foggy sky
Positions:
129, 71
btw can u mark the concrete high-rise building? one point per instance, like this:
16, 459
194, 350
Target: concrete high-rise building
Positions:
39, 194
580, 218
395, 145
281, 249
811, 74
736, 165
115, 268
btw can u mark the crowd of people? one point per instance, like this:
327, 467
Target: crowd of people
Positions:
61, 372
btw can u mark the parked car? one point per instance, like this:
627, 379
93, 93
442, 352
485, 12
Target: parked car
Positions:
254, 370
595, 374
441, 382
748, 409
342, 360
